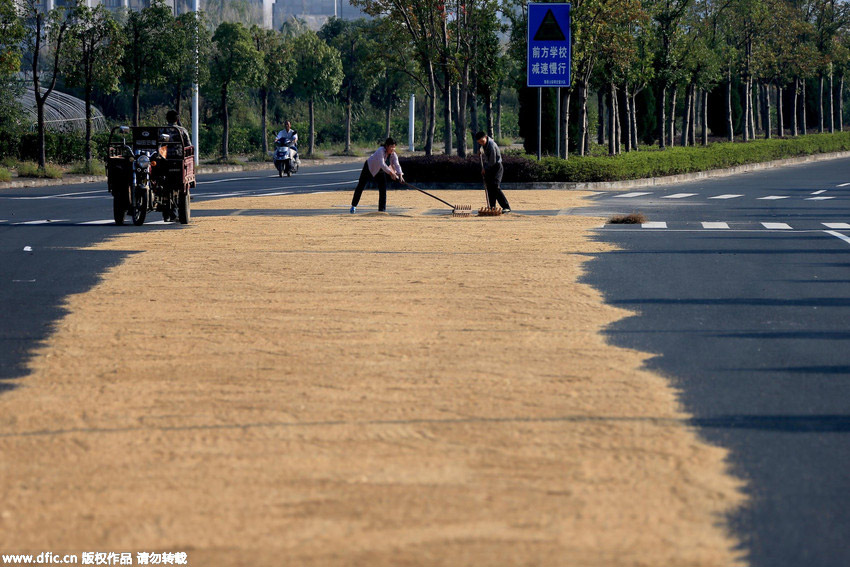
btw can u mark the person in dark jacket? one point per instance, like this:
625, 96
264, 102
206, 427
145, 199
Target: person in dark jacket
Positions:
492, 171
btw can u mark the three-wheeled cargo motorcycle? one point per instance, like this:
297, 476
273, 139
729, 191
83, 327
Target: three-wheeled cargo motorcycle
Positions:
150, 169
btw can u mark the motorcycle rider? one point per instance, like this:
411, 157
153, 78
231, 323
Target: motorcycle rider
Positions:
288, 135
173, 119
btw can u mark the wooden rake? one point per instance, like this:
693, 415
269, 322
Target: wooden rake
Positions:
457, 210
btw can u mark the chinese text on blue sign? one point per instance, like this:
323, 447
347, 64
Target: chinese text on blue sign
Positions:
548, 45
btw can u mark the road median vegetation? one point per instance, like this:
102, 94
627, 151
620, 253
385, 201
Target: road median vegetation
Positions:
632, 165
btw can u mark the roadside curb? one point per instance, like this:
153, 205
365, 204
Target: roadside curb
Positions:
19, 183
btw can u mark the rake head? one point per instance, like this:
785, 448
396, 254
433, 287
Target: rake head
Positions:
462, 211
489, 212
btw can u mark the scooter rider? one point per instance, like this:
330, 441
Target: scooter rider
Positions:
288, 135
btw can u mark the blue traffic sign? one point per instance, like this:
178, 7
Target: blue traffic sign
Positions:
548, 45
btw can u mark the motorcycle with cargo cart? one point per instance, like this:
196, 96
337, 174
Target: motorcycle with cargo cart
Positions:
150, 169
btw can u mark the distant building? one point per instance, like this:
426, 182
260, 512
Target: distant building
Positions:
270, 14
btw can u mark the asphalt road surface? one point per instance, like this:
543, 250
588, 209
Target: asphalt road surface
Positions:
742, 285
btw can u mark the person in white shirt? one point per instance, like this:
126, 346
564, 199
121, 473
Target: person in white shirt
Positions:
287, 134
380, 165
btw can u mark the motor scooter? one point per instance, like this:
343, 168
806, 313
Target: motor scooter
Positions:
286, 157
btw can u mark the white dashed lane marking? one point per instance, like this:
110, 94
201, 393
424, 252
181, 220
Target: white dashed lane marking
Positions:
728, 196
679, 196
654, 225
630, 195
819, 198
837, 225
715, 225
773, 197
776, 226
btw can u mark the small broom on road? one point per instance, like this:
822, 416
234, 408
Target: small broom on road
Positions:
486, 210
457, 210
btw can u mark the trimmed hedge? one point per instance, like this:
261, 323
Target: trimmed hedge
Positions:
634, 165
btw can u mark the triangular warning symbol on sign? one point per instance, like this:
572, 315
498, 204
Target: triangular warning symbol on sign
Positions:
549, 30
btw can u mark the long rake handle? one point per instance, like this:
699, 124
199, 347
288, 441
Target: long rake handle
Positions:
429, 194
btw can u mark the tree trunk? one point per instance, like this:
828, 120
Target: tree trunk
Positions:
136, 88
432, 110
820, 103
348, 104
462, 104
88, 90
730, 126
692, 126
600, 122
757, 106
625, 99
264, 104
841, 104
612, 120
225, 130
473, 105
747, 102
662, 120
311, 106
42, 154
803, 124
388, 117
794, 111
498, 125
635, 125
768, 126
447, 117
704, 118
488, 110
674, 92
780, 119
831, 103
582, 98
686, 122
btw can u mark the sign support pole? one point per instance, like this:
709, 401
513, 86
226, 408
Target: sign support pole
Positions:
539, 120
558, 128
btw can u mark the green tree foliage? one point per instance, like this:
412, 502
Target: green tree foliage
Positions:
318, 74
361, 62
278, 69
95, 48
11, 36
144, 62
235, 63
188, 44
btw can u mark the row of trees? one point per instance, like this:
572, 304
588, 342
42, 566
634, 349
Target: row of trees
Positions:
92, 49
694, 48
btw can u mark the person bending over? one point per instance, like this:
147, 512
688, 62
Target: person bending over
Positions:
492, 171
380, 165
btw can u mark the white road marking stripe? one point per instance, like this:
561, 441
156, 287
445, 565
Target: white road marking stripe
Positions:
107, 221
654, 225
34, 222
728, 196
712, 225
836, 225
630, 195
56, 196
275, 176
276, 194
843, 185
819, 198
773, 197
679, 196
821, 191
776, 226
838, 235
